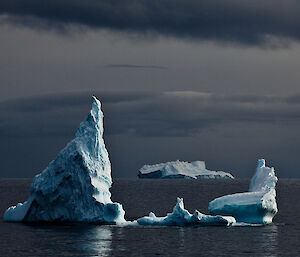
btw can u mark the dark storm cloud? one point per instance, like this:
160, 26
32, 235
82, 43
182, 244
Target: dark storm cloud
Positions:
175, 113
247, 22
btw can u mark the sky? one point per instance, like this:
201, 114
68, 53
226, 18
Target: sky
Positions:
178, 79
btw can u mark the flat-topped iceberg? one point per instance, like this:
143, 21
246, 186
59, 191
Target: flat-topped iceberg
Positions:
181, 217
180, 169
75, 186
256, 206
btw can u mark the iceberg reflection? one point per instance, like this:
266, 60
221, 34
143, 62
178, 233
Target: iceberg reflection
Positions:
137, 241
268, 239
97, 241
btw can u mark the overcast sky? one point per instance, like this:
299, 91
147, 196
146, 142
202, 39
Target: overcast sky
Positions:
179, 79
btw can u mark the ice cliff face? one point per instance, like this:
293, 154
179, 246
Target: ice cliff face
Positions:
181, 169
75, 186
256, 206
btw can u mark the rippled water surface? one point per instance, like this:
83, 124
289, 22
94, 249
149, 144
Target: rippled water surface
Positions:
139, 197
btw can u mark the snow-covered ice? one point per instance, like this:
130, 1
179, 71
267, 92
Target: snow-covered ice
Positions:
180, 169
181, 217
75, 186
256, 206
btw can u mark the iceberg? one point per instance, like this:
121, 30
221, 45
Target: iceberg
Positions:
258, 206
181, 217
75, 185
181, 169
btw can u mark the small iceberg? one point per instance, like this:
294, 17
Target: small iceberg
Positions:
258, 206
181, 217
75, 186
181, 169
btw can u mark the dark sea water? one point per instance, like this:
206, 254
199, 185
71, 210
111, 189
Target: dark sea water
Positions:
139, 197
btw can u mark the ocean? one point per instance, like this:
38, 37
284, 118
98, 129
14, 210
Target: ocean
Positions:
139, 197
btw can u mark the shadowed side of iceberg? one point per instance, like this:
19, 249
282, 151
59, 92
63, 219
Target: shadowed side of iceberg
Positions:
181, 217
256, 206
75, 186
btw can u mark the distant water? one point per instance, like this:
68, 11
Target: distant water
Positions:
139, 197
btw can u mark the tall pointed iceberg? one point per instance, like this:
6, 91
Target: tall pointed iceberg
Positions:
256, 206
75, 186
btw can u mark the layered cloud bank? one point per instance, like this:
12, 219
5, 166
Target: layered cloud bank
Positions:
190, 123
172, 113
